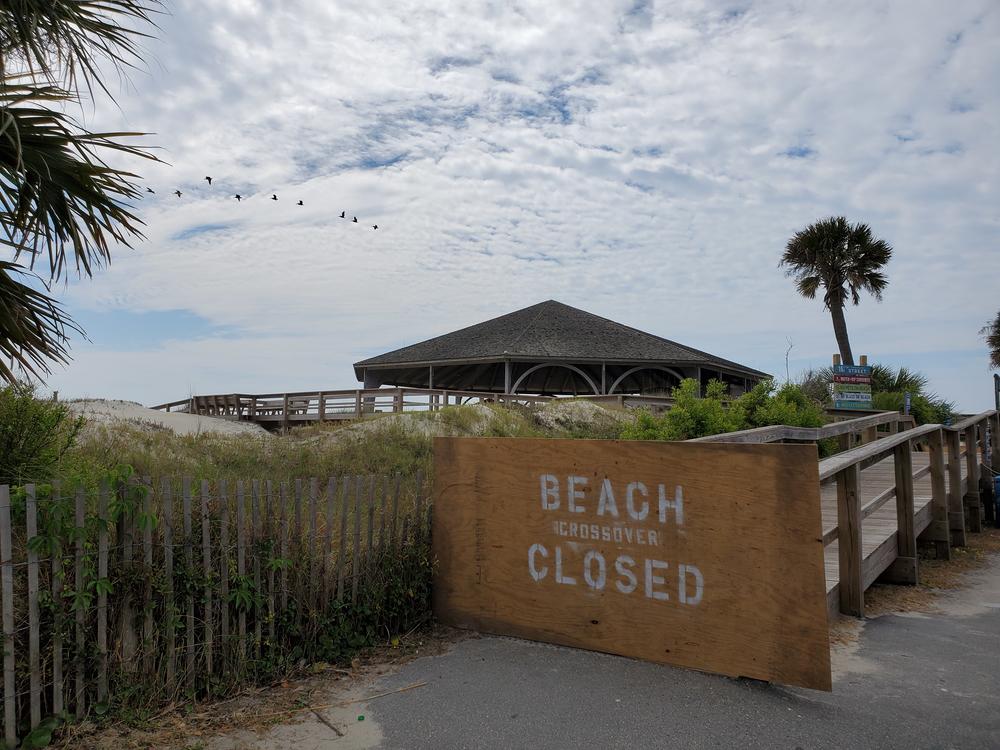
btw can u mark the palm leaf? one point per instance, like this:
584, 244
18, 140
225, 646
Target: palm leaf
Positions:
64, 40
33, 328
58, 196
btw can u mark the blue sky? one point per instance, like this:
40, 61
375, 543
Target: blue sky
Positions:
643, 161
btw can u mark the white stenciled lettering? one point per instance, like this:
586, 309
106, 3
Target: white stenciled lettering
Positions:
651, 578
588, 571
560, 578
677, 505
550, 492
623, 566
630, 491
536, 572
573, 494
682, 590
607, 502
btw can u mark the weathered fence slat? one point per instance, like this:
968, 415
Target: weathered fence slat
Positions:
7, 586
206, 567
283, 545
125, 536
270, 568
383, 506
345, 499
224, 566
80, 585
147, 558
166, 498
331, 492
57, 615
34, 662
102, 596
355, 550
394, 537
255, 551
313, 595
419, 520
189, 570
370, 547
241, 564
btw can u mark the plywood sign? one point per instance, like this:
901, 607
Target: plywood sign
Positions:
701, 555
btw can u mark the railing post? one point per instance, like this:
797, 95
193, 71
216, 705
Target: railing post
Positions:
284, 411
397, 400
986, 497
973, 503
995, 442
938, 530
904, 568
357, 404
851, 588
252, 413
956, 513
322, 406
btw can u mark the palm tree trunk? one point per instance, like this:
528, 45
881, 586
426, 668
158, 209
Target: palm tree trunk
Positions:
840, 331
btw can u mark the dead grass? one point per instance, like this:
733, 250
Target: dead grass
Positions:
259, 709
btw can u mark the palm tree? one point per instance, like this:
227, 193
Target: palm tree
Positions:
991, 332
62, 206
844, 260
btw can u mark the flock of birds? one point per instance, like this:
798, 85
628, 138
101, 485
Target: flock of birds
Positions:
274, 197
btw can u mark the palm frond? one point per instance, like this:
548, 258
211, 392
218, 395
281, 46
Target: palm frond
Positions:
65, 41
991, 333
33, 327
58, 196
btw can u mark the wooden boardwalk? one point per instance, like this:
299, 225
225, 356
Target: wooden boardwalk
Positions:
878, 534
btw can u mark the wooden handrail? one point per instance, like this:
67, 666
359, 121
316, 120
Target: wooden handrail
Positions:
832, 466
774, 433
970, 421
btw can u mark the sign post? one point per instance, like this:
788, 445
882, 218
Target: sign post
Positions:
700, 555
852, 386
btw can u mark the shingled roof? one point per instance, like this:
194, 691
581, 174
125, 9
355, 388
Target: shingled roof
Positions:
551, 331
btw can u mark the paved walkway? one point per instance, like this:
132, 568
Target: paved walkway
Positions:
911, 681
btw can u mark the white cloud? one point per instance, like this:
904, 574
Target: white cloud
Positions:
630, 163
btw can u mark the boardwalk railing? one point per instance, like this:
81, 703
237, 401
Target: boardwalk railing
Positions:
955, 455
285, 409
183, 586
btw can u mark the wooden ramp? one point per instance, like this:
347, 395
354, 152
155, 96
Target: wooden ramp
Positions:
878, 534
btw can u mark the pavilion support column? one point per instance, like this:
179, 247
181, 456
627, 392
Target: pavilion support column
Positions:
604, 378
430, 377
506, 376
370, 381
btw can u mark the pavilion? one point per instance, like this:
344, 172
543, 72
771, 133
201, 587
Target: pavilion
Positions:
551, 349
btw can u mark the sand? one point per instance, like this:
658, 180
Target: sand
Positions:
109, 411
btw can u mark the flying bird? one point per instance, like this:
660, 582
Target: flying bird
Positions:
178, 193
209, 179
299, 203
238, 197
274, 197
150, 190
374, 226
342, 215
355, 219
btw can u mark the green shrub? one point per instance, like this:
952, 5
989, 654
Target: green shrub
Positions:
34, 434
924, 409
692, 416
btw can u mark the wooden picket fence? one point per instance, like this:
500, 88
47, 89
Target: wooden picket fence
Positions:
183, 585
